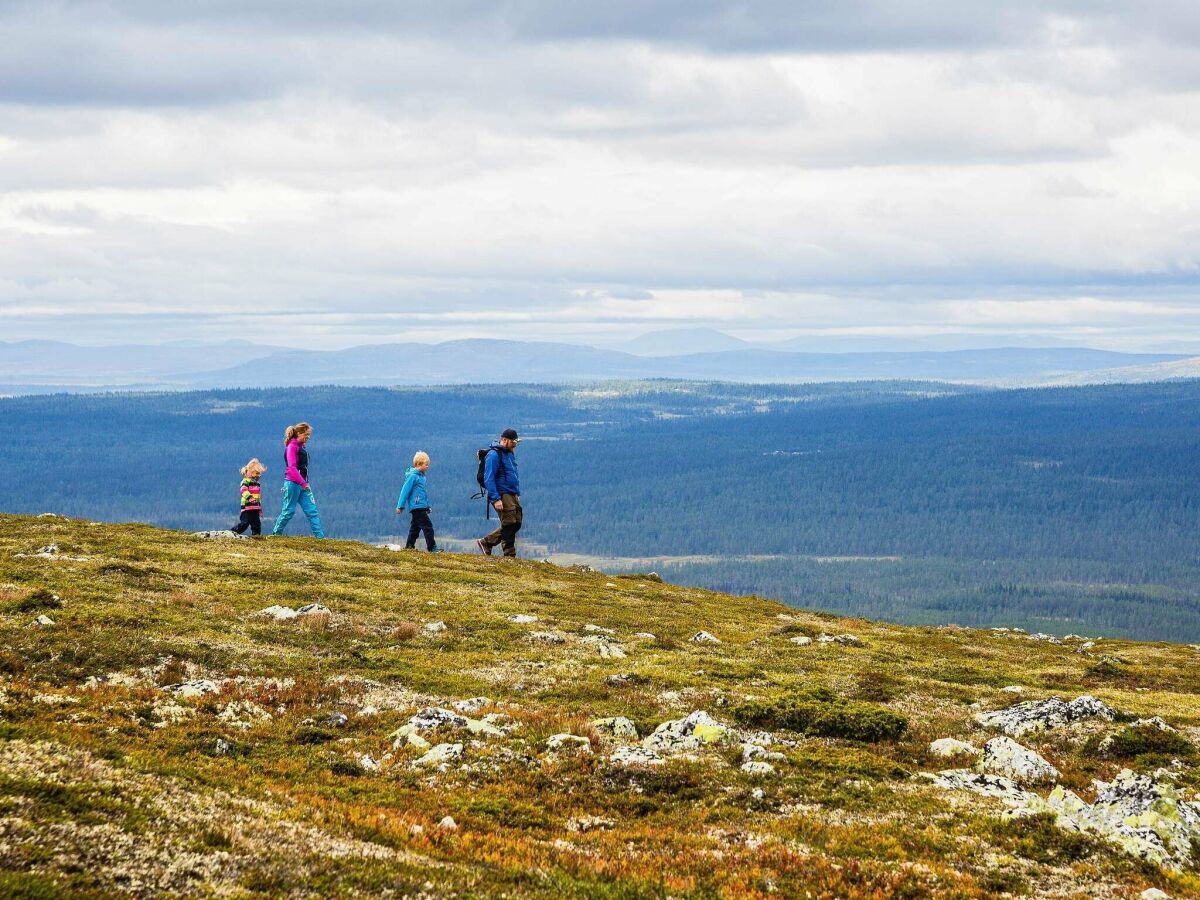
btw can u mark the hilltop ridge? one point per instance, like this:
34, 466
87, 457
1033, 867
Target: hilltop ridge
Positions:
335, 719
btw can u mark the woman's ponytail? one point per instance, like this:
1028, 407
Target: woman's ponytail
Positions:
294, 431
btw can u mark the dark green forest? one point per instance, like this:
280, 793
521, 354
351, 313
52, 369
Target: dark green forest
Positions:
1055, 509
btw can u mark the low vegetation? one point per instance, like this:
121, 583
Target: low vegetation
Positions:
162, 737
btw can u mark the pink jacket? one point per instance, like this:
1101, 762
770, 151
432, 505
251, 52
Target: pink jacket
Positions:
293, 464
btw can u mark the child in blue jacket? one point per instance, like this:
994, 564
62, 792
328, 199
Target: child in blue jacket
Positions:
414, 497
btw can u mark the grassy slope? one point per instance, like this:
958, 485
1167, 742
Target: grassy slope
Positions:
99, 795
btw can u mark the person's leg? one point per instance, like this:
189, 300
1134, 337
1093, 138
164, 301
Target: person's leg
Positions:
510, 524
309, 504
427, 529
291, 493
242, 524
414, 529
255, 522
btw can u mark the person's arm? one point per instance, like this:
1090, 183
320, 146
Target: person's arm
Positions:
406, 492
491, 464
293, 465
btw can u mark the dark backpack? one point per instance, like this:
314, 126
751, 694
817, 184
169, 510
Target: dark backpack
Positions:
481, 455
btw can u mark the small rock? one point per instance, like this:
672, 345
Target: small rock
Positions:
435, 627
952, 747
368, 763
335, 720
616, 726
758, 767
583, 824
703, 637
596, 629
696, 730
313, 609
846, 640
621, 679
43, 620
279, 613
218, 535
191, 689
521, 619
472, 705
1004, 756
637, 757
1040, 715
1013, 689
448, 824
645, 636
758, 794
802, 640
1154, 894
986, 785
548, 637
440, 756
572, 743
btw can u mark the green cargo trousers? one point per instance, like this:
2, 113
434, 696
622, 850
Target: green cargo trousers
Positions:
510, 524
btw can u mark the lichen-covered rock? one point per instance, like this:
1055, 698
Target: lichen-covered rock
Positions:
697, 730
189, 690
846, 640
598, 629
435, 627
703, 637
616, 726
548, 637
218, 535
278, 613
1041, 715
313, 609
802, 640
521, 619
636, 756
1004, 756
44, 621
440, 756
472, 704
996, 786
605, 646
952, 747
568, 743
758, 767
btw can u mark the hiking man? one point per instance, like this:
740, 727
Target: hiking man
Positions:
503, 489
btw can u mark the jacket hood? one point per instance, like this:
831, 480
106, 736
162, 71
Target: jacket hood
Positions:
413, 470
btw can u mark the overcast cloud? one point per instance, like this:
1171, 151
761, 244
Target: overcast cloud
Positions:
328, 174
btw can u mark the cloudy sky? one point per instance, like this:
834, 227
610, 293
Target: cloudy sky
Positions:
327, 174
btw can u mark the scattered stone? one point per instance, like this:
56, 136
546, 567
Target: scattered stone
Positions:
583, 824
696, 730
636, 756
472, 705
243, 714
620, 679
1004, 756
413, 740
758, 767
432, 717
980, 783
596, 629
335, 720
605, 646
521, 619
44, 620
616, 726
1013, 689
846, 640
1154, 894
758, 794
703, 637
802, 640
313, 609
952, 747
571, 743
218, 535
653, 576
1086, 646
278, 613
222, 747
1041, 715
368, 763
448, 824
189, 690
435, 627
548, 637
645, 636
440, 756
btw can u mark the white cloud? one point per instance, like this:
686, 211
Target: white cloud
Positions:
349, 180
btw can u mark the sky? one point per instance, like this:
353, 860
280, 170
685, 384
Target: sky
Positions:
318, 174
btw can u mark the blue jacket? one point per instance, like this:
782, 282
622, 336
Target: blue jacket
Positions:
500, 477
412, 495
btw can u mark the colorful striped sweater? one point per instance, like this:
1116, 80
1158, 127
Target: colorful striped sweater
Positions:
251, 495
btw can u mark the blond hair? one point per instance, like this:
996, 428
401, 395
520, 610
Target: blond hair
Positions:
253, 469
420, 458
294, 431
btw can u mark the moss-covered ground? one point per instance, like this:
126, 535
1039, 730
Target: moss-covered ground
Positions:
110, 785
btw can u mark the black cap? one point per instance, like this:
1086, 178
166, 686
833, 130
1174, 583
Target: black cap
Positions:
510, 434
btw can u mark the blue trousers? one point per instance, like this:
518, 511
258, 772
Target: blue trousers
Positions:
294, 495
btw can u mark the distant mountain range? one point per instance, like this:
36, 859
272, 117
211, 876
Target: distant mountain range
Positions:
41, 366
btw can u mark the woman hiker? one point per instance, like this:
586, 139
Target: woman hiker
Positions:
296, 489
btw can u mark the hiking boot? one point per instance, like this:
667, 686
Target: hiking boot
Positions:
436, 550
483, 548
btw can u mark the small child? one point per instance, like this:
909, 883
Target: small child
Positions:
251, 516
413, 496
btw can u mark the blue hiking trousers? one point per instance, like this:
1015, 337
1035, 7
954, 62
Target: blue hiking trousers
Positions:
294, 495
